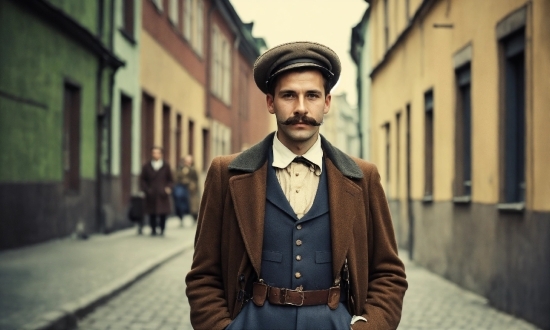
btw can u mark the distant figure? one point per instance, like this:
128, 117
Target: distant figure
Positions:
186, 176
156, 181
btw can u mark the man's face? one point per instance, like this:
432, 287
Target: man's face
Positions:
156, 154
299, 105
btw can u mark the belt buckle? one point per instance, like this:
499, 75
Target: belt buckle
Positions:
285, 296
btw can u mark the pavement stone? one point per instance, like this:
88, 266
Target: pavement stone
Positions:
47, 281
431, 303
157, 301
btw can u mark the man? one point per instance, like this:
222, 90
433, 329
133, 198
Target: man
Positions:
293, 233
187, 176
156, 181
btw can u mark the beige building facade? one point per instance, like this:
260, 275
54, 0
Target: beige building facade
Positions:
181, 98
459, 117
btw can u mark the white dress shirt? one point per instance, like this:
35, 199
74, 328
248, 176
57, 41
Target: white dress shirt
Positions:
157, 164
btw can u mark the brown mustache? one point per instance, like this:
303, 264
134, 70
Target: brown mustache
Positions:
297, 119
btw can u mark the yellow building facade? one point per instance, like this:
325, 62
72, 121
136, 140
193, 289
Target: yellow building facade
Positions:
170, 86
459, 115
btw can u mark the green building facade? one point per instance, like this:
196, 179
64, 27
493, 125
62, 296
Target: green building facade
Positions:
56, 77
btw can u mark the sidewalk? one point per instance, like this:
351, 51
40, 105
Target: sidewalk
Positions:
49, 285
434, 303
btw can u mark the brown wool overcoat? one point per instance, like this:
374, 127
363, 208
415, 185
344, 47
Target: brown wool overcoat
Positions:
228, 242
153, 184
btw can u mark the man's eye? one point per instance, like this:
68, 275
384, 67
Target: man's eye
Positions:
287, 95
313, 96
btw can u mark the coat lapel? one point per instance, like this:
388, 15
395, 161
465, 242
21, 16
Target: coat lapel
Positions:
248, 192
345, 204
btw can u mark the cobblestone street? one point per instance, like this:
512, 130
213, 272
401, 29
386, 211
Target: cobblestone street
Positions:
158, 302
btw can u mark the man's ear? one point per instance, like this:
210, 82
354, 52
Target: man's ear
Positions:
328, 100
269, 101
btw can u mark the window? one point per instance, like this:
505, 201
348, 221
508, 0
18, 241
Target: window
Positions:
221, 66
158, 4
178, 137
198, 44
206, 149
71, 137
147, 126
191, 132
125, 147
166, 132
463, 137
513, 132
128, 17
397, 152
193, 24
388, 156
428, 145
386, 26
187, 18
173, 12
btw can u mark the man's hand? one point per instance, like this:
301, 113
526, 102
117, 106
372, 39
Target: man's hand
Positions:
168, 190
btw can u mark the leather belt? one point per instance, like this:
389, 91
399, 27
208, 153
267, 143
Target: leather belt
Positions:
281, 296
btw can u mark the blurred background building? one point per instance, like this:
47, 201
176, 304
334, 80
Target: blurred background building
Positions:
458, 112
88, 87
341, 126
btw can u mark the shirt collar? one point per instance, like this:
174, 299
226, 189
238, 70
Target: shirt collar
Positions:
157, 163
282, 156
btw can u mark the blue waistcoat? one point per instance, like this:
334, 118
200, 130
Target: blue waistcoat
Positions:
285, 238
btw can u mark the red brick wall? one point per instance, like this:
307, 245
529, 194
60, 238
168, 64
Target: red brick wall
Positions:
158, 25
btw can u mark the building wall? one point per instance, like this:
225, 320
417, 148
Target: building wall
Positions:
497, 254
261, 121
341, 126
364, 70
163, 78
127, 82
33, 201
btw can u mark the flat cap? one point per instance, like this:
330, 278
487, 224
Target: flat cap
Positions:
294, 55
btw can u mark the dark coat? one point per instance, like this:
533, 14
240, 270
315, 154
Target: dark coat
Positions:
153, 184
230, 231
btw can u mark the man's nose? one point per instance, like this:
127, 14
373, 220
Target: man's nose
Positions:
301, 106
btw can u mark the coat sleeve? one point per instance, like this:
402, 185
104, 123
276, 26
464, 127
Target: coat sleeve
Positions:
143, 184
205, 289
387, 280
169, 177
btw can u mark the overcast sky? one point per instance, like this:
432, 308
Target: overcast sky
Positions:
324, 21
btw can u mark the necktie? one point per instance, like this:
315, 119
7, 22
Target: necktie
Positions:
312, 166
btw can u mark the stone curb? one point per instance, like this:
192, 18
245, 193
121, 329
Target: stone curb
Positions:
67, 316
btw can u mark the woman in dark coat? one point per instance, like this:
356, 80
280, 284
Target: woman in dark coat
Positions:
186, 176
156, 182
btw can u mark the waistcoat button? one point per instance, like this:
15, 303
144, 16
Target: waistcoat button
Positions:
298, 257
299, 227
298, 242
297, 275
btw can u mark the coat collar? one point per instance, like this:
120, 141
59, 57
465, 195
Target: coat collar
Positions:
252, 159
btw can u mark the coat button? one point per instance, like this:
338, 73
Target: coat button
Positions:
298, 242
298, 257
297, 275
299, 227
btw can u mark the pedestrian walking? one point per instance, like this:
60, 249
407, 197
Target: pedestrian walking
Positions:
186, 176
293, 233
156, 182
